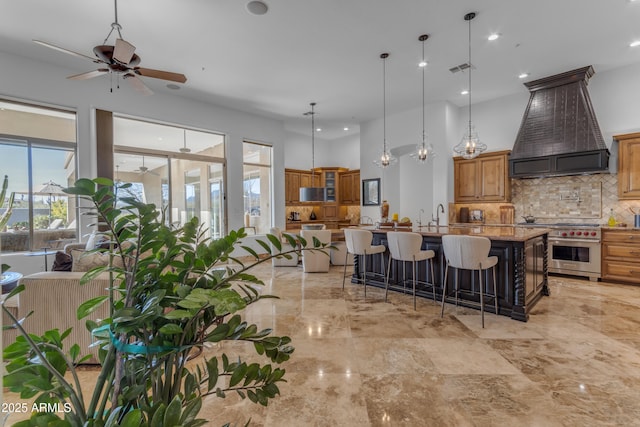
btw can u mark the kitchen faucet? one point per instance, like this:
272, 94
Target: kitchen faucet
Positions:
420, 217
439, 208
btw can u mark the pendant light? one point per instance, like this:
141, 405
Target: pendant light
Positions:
313, 194
423, 151
386, 158
184, 148
470, 146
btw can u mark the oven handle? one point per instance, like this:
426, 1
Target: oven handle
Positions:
563, 240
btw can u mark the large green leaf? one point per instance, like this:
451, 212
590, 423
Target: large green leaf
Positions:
90, 306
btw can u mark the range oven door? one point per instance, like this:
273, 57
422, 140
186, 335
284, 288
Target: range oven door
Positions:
575, 257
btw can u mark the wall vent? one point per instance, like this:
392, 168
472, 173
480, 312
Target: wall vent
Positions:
460, 67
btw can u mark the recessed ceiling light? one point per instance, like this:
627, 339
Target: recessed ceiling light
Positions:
634, 43
493, 37
422, 64
318, 129
257, 7
464, 92
345, 129
523, 76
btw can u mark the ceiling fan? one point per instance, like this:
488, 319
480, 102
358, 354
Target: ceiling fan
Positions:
119, 60
144, 170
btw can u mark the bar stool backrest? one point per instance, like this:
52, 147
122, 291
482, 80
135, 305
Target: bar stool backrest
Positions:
466, 252
358, 241
403, 245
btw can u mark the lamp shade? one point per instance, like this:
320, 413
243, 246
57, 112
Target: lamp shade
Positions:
313, 194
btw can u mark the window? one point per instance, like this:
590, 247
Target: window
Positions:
257, 186
180, 170
38, 149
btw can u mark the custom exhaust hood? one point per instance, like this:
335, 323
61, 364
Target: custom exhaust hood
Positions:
559, 134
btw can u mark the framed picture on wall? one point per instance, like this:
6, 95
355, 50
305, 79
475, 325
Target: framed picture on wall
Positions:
371, 192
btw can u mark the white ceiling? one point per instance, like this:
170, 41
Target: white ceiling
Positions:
328, 51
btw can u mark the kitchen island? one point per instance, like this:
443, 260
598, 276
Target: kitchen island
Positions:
521, 272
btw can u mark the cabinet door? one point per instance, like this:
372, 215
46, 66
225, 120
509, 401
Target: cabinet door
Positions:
346, 188
306, 181
330, 181
356, 188
492, 178
629, 169
466, 180
292, 187
329, 211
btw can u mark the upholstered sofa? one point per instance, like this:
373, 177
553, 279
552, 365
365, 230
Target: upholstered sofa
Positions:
53, 297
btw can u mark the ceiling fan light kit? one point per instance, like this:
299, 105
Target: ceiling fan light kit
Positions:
119, 60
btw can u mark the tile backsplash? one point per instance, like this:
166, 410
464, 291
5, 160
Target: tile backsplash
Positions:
578, 199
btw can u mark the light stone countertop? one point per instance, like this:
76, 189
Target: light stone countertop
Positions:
493, 232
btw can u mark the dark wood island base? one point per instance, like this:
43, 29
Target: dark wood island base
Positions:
521, 272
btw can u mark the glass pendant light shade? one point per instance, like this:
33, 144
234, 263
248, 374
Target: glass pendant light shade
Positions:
470, 146
424, 151
312, 194
385, 158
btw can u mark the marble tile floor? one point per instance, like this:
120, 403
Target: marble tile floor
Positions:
363, 362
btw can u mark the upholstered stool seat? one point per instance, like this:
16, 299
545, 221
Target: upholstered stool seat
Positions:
469, 253
316, 261
359, 243
406, 246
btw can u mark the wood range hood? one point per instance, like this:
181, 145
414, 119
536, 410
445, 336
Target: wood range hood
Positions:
559, 134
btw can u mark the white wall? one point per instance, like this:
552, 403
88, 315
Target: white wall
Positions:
29, 80
342, 152
409, 186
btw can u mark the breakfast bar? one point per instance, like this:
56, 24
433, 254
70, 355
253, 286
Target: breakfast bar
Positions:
521, 272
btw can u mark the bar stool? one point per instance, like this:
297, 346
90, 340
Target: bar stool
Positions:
469, 253
359, 243
406, 246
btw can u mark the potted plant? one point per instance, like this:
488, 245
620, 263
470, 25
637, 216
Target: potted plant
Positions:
172, 292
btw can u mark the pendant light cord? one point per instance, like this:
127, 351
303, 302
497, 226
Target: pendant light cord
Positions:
423, 113
471, 16
384, 104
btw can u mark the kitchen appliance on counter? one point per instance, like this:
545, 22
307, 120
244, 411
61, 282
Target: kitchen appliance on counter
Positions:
574, 249
294, 216
476, 215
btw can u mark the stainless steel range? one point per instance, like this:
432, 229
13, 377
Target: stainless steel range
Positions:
574, 249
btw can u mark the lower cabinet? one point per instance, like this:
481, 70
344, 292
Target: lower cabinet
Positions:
621, 255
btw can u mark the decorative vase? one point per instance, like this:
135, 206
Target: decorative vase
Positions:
384, 211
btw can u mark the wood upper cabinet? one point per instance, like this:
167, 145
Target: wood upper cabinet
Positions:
621, 255
291, 187
483, 179
628, 166
293, 180
350, 187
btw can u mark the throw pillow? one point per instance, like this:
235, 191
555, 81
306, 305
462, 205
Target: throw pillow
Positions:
85, 261
63, 262
91, 242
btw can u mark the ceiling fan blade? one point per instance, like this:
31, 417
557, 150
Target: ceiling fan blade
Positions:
163, 75
123, 51
70, 52
138, 84
89, 74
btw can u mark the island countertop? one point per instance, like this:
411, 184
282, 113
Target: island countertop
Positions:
506, 233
